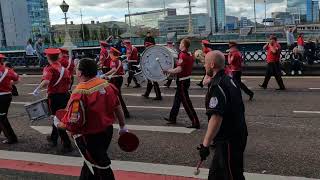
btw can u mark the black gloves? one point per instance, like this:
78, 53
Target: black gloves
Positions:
203, 152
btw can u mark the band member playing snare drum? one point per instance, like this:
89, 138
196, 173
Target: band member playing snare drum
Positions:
58, 81
7, 78
133, 62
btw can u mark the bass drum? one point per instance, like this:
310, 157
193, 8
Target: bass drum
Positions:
155, 59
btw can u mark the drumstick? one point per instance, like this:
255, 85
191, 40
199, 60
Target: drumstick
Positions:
197, 171
157, 59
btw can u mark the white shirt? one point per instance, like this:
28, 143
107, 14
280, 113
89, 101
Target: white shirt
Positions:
29, 50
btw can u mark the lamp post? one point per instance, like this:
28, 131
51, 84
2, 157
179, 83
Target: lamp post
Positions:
67, 39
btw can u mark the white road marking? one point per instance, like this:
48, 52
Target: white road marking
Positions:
160, 107
284, 77
152, 95
306, 112
181, 130
129, 166
30, 84
314, 88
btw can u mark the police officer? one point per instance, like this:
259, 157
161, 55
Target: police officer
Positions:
115, 75
148, 43
183, 72
227, 127
205, 49
273, 49
104, 58
7, 78
235, 62
91, 112
58, 81
133, 62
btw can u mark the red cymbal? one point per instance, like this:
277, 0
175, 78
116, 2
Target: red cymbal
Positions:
128, 142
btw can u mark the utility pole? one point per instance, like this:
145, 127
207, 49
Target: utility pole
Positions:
129, 14
265, 17
82, 27
255, 17
164, 7
190, 31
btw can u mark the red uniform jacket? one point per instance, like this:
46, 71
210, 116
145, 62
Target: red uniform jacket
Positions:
205, 50
117, 64
132, 54
273, 57
52, 73
91, 107
186, 61
5, 84
236, 64
67, 63
104, 58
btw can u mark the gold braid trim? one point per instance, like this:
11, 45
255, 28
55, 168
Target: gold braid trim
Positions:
91, 90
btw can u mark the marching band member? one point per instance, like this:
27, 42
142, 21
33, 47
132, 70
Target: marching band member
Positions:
133, 61
58, 81
104, 58
205, 50
7, 78
183, 72
151, 84
116, 76
92, 109
235, 64
67, 63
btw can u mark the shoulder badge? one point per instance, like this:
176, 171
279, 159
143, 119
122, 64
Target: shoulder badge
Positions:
213, 102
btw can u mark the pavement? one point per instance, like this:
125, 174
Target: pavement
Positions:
283, 142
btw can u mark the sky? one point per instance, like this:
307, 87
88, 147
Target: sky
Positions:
114, 10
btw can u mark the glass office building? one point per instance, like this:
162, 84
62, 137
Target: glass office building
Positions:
217, 14
39, 16
149, 19
298, 8
309, 10
315, 11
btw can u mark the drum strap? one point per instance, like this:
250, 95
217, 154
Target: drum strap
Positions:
60, 77
4, 75
112, 75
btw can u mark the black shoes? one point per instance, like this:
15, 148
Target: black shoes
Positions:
137, 86
157, 99
262, 86
200, 84
170, 121
193, 127
145, 96
281, 89
7, 141
51, 142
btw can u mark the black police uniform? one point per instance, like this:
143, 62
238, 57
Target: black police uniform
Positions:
224, 99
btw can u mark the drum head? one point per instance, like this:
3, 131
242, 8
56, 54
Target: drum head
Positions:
61, 113
155, 59
128, 142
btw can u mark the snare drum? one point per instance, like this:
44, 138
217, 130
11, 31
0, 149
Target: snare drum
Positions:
38, 110
140, 77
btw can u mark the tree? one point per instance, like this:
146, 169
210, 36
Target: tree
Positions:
94, 35
103, 32
86, 33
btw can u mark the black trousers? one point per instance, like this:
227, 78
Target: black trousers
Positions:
56, 102
182, 96
227, 162
132, 70
5, 127
236, 76
118, 81
94, 149
273, 69
156, 87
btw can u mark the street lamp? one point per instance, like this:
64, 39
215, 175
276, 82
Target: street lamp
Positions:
67, 39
